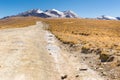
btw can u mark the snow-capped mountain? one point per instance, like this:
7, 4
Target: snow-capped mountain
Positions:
53, 13
103, 17
70, 14
34, 12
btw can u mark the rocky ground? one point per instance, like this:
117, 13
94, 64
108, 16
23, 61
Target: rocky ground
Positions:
108, 70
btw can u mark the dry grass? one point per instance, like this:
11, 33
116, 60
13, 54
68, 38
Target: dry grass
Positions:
103, 34
18, 22
92, 34
95, 36
86, 29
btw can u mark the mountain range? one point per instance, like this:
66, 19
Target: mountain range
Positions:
53, 13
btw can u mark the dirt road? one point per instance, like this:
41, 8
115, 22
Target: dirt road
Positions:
32, 53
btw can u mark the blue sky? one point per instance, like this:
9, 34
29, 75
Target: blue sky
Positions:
84, 8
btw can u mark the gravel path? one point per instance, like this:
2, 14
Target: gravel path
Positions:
32, 53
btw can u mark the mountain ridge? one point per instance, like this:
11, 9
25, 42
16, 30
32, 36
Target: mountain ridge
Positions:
104, 17
52, 13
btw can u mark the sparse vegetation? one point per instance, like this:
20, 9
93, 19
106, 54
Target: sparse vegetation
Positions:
18, 22
87, 35
94, 35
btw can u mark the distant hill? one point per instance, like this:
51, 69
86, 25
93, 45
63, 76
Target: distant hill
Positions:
103, 17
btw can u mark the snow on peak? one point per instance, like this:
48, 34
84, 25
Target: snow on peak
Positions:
39, 11
70, 11
36, 11
55, 10
103, 17
70, 14
53, 13
32, 11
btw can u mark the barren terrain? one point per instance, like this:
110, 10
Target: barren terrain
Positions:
32, 53
58, 49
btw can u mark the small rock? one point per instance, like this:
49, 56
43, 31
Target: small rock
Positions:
106, 58
86, 57
77, 76
75, 56
83, 59
49, 49
83, 69
90, 62
103, 73
63, 77
118, 63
